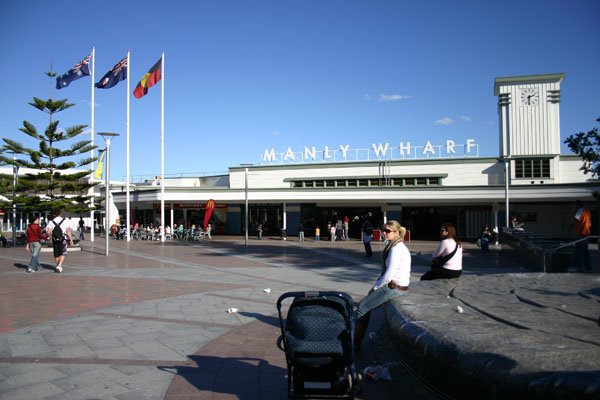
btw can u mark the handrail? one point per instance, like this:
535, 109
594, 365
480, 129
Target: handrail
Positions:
525, 238
553, 250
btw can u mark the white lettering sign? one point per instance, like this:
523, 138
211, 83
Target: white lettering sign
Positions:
377, 151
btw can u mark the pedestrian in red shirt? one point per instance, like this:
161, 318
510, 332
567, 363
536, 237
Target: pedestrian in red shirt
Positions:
35, 235
583, 226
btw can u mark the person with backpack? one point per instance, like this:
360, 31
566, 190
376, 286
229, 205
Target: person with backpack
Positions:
56, 230
367, 231
35, 235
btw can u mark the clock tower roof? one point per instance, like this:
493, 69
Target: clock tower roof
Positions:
515, 80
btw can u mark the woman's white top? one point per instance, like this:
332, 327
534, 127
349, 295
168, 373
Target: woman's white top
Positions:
447, 246
397, 267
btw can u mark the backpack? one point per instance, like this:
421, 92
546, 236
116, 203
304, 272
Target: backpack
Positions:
57, 232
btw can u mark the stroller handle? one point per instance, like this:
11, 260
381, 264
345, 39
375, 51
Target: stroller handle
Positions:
314, 294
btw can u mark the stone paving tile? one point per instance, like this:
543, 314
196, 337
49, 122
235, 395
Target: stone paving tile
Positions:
42, 390
165, 305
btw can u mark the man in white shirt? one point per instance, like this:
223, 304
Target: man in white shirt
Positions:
59, 242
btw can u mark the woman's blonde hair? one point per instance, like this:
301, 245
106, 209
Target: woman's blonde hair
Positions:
395, 225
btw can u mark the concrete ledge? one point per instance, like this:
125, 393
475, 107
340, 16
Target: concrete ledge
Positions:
519, 336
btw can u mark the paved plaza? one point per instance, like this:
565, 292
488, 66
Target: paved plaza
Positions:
150, 321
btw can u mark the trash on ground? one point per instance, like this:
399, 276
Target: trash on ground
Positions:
232, 310
267, 290
377, 372
459, 309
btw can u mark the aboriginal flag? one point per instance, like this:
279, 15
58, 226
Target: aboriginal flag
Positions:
150, 79
114, 76
81, 69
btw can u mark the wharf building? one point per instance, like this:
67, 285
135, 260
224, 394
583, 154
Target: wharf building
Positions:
421, 185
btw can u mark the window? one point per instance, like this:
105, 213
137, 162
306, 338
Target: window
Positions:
540, 167
532, 168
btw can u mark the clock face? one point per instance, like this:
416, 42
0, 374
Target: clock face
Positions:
529, 97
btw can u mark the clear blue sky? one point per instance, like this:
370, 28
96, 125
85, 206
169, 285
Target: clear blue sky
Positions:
243, 76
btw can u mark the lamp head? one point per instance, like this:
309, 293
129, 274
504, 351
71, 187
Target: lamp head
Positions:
108, 135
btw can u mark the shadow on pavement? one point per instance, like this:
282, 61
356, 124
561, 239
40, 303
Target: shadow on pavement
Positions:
243, 378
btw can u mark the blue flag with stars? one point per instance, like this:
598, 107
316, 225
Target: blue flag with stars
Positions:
117, 74
78, 71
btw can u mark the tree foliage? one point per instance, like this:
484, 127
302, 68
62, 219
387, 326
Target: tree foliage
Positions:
51, 176
587, 146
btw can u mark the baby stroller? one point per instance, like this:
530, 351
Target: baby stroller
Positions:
317, 340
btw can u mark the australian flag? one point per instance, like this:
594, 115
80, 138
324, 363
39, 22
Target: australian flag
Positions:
117, 74
78, 71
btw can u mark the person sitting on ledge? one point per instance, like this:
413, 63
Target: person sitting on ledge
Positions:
447, 258
516, 224
392, 282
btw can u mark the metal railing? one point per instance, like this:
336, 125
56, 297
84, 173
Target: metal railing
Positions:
531, 242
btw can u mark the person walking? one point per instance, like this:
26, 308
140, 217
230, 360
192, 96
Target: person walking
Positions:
486, 237
59, 240
583, 226
81, 228
2, 237
367, 236
301, 232
317, 234
392, 282
34, 236
346, 228
339, 230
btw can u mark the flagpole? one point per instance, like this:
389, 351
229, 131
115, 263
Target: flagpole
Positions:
162, 148
128, 218
92, 140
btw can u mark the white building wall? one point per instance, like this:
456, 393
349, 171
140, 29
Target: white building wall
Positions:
465, 172
569, 170
534, 130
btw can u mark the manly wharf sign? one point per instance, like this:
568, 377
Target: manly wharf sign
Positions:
377, 151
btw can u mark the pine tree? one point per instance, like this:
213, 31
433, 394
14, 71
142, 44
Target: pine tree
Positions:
55, 178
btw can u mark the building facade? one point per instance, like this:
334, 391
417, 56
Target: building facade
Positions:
421, 186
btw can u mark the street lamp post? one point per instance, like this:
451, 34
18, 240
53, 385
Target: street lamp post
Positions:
246, 205
107, 138
14, 204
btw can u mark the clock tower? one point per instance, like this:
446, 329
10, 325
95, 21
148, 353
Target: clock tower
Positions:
529, 116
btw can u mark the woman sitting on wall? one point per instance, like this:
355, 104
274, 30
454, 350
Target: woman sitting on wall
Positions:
447, 258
